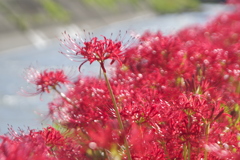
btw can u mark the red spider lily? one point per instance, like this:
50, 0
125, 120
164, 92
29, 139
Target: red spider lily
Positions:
178, 97
220, 151
45, 80
52, 137
94, 50
47, 144
105, 136
233, 1
91, 100
23, 150
24, 146
143, 143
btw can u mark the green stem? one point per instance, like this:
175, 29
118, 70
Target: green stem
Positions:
184, 151
64, 96
206, 134
100, 74
188, 142
189, 150
165, 150
118, 115
68, 100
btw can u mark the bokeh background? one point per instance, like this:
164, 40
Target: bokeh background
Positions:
30, 29
32, 20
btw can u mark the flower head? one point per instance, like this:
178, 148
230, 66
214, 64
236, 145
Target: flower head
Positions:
45, 80
94, 49
47, 144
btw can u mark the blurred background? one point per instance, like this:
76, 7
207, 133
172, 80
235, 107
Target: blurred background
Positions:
20, 17
30, 29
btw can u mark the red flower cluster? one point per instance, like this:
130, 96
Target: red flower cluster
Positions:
93, 50
178, 97
44, 80
48, 144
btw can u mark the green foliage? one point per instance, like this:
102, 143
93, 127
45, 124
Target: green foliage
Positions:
20, 22
171, 6
55, 10
160, 6
102, 3
15, 18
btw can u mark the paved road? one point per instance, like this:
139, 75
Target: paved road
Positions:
26, 112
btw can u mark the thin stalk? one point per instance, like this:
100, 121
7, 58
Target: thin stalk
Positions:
165, 150
189, 150
118, 115
100, 73
206, 134
64, 96
184, 151
188, 143
68, 100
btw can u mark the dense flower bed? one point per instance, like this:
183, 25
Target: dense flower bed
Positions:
169, 97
